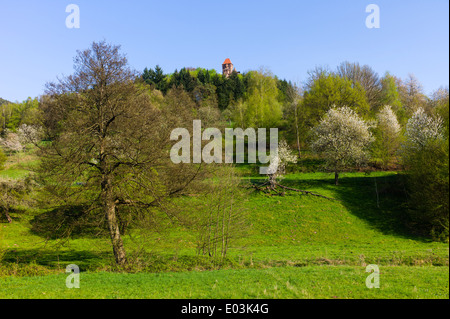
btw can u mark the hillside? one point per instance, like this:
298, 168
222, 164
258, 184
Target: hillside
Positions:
334, 239
2, 101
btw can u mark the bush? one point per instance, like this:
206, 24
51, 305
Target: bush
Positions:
427, 184
3, 159
387, 135
425, 155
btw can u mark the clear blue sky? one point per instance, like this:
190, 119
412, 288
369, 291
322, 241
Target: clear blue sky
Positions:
288, 37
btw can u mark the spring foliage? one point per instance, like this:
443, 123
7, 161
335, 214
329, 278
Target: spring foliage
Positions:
387, 135
425, 155
421, 130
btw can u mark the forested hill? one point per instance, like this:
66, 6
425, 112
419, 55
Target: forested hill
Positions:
2, 101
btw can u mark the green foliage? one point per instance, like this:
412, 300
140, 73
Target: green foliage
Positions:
3, 159
220, 219
229, 89
15, 114
104, 148
69, 221
367, 78
427, 181
13, 193
260, 106
440, 105
284, 88
157, 78
390, 96
387, 135
292, 129
3, 101
411, 94
200, 83
330, 90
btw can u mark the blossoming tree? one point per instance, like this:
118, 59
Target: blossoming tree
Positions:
343, 138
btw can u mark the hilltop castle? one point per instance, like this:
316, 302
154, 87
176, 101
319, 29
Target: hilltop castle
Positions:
227, 68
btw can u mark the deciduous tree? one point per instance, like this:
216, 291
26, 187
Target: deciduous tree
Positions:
110, 144
367, 78
343, 138
387, 135
328, 90
425, 155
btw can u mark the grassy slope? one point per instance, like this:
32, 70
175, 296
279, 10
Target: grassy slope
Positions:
348, 231
289, 231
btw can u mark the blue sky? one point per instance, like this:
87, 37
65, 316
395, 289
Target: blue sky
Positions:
287, 37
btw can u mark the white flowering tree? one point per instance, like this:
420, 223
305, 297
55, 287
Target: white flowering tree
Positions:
278, 164
387, 135
11, 142
29, 134
422, 129
342, 138
277, 171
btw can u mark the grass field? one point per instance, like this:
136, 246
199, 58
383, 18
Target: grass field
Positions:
325, 282
298, 246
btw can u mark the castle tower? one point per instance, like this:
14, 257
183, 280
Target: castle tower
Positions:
227, 68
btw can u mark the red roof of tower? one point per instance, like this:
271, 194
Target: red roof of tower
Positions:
227, 61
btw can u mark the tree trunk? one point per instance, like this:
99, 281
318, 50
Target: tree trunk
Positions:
297, 133
8, 217
113, 225
272, 181
336, 178
3, 117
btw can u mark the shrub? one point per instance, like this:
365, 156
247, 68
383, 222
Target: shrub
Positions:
425, 155
387, 135
3, 159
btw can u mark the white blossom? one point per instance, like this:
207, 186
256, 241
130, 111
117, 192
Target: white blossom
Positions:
387, 122
29, 134
342, 137
11, 142
279, 162
421, 129
387, 134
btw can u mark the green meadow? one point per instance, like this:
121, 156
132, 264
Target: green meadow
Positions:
295, 246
